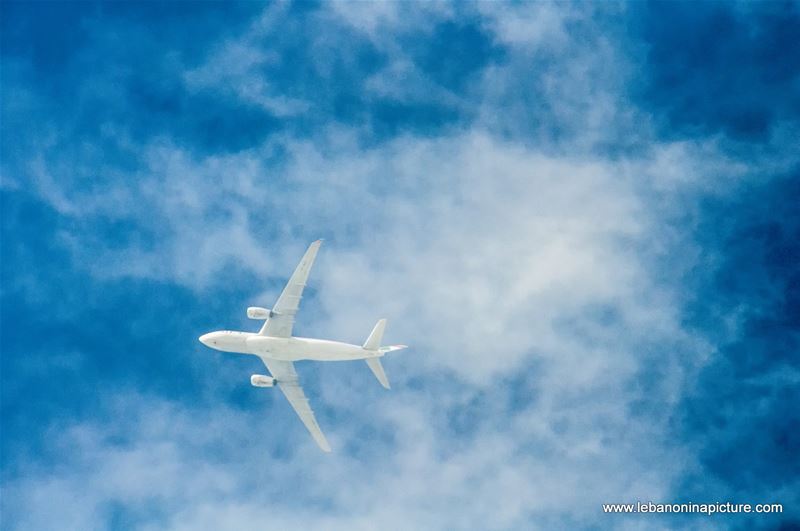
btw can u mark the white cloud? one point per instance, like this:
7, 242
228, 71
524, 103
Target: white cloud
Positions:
234, 69
239, 66
529, 25
497, 263
167, 467
526, 275
383, 21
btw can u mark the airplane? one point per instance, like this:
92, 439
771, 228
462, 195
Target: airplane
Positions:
278, 349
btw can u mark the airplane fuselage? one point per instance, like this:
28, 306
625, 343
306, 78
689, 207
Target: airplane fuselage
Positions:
285, 349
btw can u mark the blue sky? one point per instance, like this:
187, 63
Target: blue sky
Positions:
582, 217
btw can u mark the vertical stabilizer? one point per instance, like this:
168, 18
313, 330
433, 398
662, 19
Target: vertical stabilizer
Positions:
373, 342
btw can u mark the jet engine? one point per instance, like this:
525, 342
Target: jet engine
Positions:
254, 312
259, 380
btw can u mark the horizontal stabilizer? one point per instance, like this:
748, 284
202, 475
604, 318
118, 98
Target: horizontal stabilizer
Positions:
377, 369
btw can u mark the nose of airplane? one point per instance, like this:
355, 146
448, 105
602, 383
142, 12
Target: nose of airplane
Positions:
205, 339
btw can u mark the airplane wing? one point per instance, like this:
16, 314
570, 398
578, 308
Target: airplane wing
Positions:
287, 380
282, 321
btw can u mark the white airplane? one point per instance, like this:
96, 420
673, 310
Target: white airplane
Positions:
278, 350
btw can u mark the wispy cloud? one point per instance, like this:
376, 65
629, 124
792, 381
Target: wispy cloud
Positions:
537, 250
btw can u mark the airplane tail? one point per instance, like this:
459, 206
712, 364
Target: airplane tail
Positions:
373, 342
375, 366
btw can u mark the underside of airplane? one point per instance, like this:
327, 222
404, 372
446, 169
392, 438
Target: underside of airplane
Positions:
278, 349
